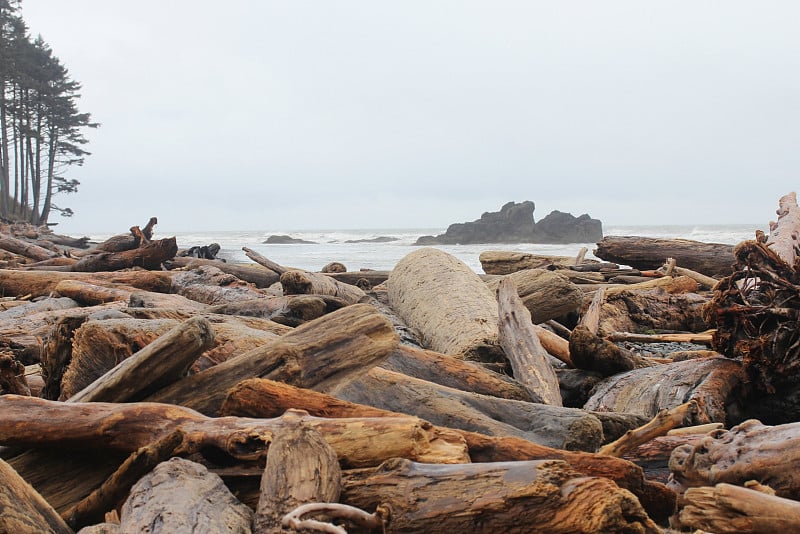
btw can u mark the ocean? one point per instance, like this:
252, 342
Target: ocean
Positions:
338, 245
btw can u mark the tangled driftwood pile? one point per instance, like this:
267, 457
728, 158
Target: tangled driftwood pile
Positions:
147, 391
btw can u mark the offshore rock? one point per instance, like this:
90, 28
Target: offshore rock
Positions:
514, 223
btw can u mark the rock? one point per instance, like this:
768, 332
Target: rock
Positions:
286, 240
379, 239
514, 223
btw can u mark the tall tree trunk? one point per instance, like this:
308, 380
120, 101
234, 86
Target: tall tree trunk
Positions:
51, 163
36, 166
4, 164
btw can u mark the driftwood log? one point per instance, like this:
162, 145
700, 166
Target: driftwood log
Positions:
27, 249
149, 256
648, 253
319, 354
295, 282
261, 278
546, 294
42, 283
716, 384
553, 426
748, 451
529, 361
289, 310
439, 296
545, 496
590, 352
507, 262
23, 509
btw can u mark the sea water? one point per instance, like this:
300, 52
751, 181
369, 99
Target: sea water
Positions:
351, 247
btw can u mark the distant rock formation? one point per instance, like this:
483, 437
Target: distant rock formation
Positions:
379, 239
514, 223
286, 240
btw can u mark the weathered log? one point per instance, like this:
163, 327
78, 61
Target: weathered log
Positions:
209, 285
125, 427
150, 299
706, 282
451, 307
42, 283
301, 468
715, 383
261, 278
373, 278
529, 361
647, 253
23, 509
289, 310
149, 256
60, 263
576, 386
24, 308
296, 282
24, 248
131, 240
783, 234
663, 422
726, 508
507, 262
535, 496
12, 376
593, 353
90, 294
318, 355
688, 337
546, 294
553, 426
183, 496
57, 354
748, 451
555, 345
673, 307
452, 372
264, 398
93, 508
160, 363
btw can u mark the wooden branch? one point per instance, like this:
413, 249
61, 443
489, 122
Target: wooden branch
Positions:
161, 362
671, 269
352, 514
555, 345
93, 508
529, 361
23, 509
31, 422
700, 337
301, 468
264, 262
726, 508
591, 317
665, 421
320, 354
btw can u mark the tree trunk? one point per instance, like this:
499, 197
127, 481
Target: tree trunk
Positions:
715, 383
301, 468
41, 283
447, 303
544, 496
783, 234
24, 248
529, 361
182, 496
507, 262
648, 253
552, 426
318, 354
149, 256
289, 310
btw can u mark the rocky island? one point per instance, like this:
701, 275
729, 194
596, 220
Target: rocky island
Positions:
514, 223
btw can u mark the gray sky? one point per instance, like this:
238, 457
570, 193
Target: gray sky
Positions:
372, 114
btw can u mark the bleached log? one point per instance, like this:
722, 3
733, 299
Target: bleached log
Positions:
442, 298
290, 310
296, 282
261, 278
546, 294
42, 283
663, 422
783, 234
529, 361
265, 262
555, 345
25, 248
507, 262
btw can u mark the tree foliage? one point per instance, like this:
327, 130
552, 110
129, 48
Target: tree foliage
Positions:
41, 127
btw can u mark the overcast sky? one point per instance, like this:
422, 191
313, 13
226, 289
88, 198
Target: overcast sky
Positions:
261, 115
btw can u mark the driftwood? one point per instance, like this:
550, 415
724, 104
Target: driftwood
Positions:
783, 237
23, 509
265, 262
671, 269
297, 282
265, 398
12, 376
209, 285
555, 345
714, 383
536, 496
648, 253
24, 248
289, 310
726, 508
546, 294
319, 354
358, 278
662, 423
301, 468
261, 278
452, 372
552, 426
161, 362
170, 497
439, 296
134, 239
529, 361
41, 283
748, 451
507, 262
590, 352
91, 294
100, 426
149, 256
576, 386
698, 338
